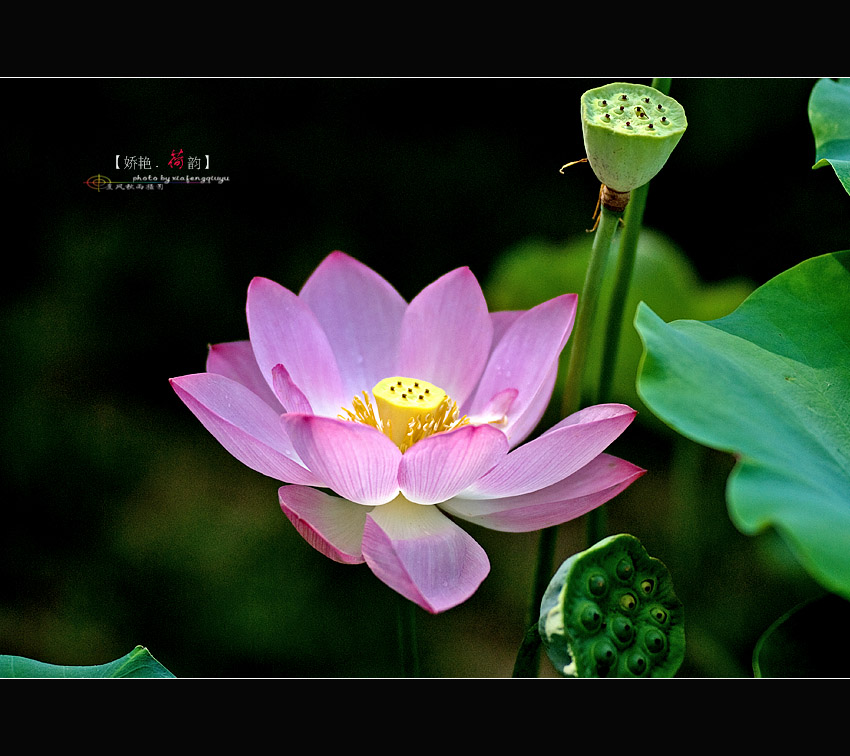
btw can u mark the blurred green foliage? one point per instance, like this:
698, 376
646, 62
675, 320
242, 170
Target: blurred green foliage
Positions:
663, 277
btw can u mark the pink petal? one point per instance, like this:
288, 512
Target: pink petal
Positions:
424, 556
244, 425
361, 314
502, 321
291, 396
356, 461
329, 524
446, 335
520, 424
284, 331
438, 467
593, 485
558, 453
525, 359
235, 359
497, 409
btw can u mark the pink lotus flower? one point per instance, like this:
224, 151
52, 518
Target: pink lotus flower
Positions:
407, 413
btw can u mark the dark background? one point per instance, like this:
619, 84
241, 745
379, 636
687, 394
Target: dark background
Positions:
125, 522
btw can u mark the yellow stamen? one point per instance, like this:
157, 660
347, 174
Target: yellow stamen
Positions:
363, 412
408, 410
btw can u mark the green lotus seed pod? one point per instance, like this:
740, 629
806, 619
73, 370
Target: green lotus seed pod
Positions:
629, 132
635, 629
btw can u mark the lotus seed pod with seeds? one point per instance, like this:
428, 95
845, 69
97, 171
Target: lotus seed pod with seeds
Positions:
610, 611
629, 132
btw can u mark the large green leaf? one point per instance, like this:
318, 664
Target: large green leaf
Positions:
829, 116
770, 383
138, 663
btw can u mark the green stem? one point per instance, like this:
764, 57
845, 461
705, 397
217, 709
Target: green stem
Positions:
662, 85
407, 637
575, 396
596, 520
633, 220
